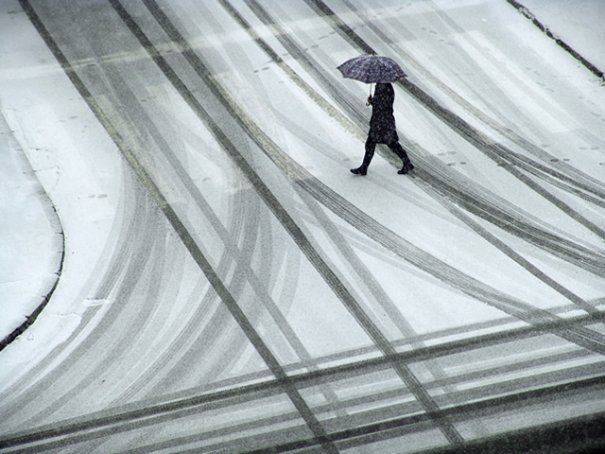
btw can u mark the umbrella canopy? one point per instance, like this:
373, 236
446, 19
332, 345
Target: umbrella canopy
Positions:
372, 69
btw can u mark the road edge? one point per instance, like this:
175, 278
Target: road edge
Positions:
52, 213
575, 54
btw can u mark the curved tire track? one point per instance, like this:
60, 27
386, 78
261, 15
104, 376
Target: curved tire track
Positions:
460, 190
358, 219
496, 152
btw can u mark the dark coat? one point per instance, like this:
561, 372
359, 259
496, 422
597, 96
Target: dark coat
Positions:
382, 123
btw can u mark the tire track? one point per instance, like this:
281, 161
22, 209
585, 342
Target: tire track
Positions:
241, 258
401, 344
365, 276
217, 324
572, 180
526, 264
179, 227
430, 189
202, 71
121, 260
395, 410
365, 424
374, 431
121, 91
392, 242
177, 38
511, 224
278, 210
484, 233
459, 190
532, 269
112, 345
295, 173
388, 239
350, 355
121, 417
496, 152
380, 296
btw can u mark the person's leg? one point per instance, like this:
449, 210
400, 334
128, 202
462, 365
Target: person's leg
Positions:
399, 151
367, 158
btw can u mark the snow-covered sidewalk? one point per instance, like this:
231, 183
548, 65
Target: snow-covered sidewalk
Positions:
56, 210
32, 239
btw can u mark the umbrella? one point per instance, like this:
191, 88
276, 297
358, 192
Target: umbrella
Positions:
372, 69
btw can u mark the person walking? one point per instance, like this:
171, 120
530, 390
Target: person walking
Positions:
382, 129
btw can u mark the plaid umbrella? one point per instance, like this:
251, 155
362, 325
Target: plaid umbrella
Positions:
372, 69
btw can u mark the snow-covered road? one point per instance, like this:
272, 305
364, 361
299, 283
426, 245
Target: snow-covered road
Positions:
228, 285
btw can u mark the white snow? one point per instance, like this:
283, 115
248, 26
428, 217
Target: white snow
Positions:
32, 239
75, 163
578, 23
135, 319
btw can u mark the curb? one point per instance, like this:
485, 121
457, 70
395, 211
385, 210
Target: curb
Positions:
527, 13
31, 318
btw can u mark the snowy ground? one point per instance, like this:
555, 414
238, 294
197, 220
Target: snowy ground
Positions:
224, 283
32, 240
579, 24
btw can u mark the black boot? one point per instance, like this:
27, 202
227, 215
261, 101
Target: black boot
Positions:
407, 166
399, 151
367, 158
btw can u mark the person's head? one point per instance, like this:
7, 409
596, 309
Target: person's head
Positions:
383, 87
